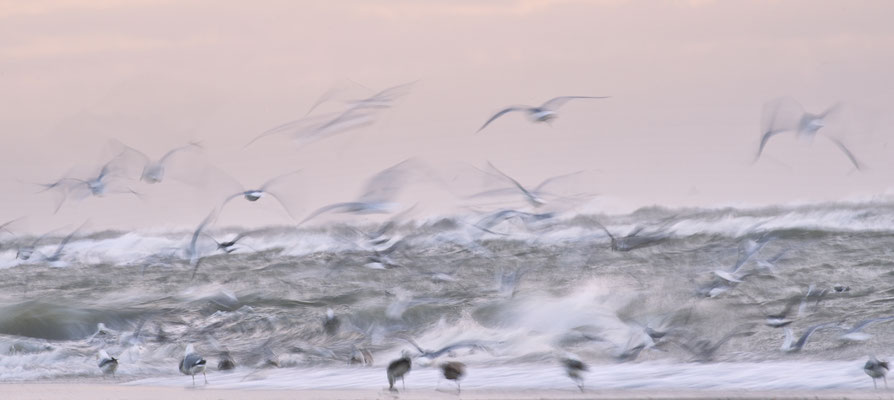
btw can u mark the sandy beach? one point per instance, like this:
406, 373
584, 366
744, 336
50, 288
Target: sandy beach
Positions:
33, 391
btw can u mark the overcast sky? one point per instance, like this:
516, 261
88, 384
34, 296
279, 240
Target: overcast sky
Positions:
688, 80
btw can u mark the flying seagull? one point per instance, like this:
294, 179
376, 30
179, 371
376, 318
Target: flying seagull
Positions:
546, 112
787, 115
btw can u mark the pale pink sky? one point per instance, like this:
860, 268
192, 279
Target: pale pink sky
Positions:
688, 80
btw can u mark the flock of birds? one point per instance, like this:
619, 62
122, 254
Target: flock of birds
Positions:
129, 165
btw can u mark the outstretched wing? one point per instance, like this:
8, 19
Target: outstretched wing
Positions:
385, 185
500, 114
765, 139
190, 146
332, 207
555, 103
509, 178
847, 152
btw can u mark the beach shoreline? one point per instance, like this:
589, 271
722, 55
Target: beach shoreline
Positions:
32, 391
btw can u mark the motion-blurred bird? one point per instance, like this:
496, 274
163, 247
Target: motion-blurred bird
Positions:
787, 115
546, 112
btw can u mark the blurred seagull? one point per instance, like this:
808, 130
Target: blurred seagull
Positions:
856, 334
454, 371
398, 369
462, 344
789, 347
876, 369
192, 363
193, 252
546, 112
787, 115
534, 197
107, 364
97, 185
574, 368
253, 195
378, 194
154, 171
360, 113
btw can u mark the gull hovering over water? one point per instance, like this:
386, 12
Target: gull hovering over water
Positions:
546, 112
378, 194
361, 113
154, 171
534, 197
97, 185
254, 195
787, 115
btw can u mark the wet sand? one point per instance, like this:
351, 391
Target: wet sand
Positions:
33, 391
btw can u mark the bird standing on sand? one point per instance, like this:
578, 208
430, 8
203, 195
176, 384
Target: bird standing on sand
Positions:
876, 369
574, 367
226, 361
107, 363
454, 371
397, 369
192, 363
331, 323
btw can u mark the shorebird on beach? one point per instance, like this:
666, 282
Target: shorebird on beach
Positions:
192, 363
454, 371
398, 369
876, 368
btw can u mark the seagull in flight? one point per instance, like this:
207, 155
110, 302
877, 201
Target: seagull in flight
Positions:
378, 194
787, 115
546, 112
534, 197
254, 195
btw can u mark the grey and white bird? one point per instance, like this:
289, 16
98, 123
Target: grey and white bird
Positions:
359, 113
789, 347
192, 363
876, 368
856, 334
545, 112
398, 369
193, 250
108, 180
787, 115
107, 364
154, 170
454, 371
535, 197
378, 196
277, 183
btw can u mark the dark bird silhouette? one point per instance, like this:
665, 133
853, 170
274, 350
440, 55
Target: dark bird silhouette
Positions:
398, 369
574, 367
876, 369
226, 361
454, 371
